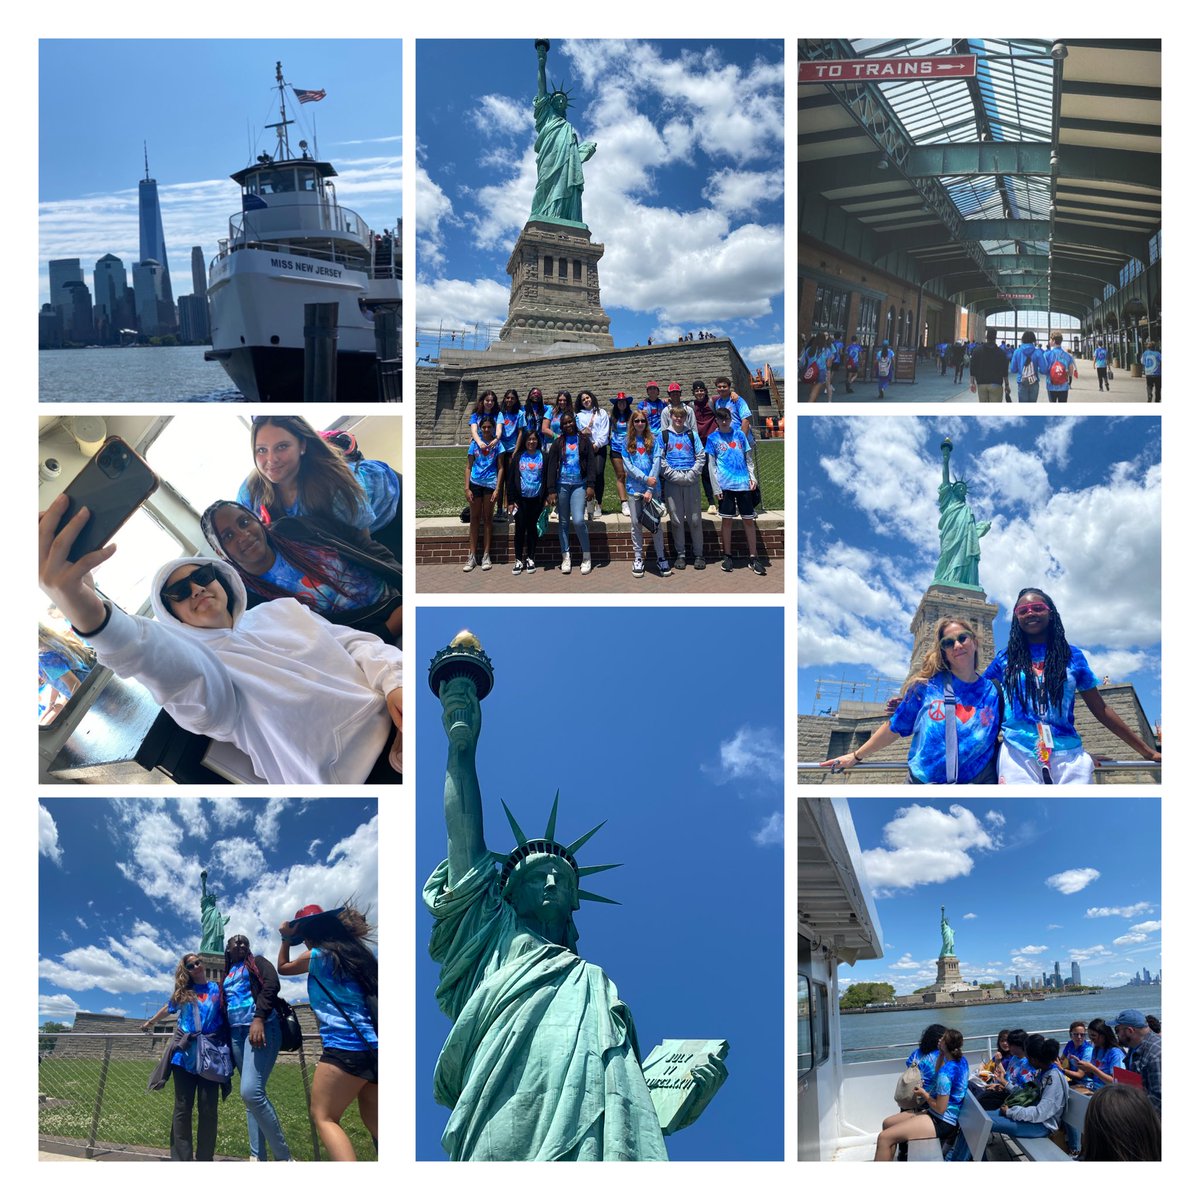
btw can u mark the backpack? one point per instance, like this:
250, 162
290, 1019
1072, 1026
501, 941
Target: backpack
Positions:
884, 368
1058, 373
1029, 371
812, 372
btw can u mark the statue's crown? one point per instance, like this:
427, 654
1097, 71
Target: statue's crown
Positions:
547, 844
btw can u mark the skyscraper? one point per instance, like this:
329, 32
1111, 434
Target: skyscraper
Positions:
1076, 980
199, 274
63, 271
147, 294
110, 284
151, 245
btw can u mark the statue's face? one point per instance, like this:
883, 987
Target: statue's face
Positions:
558, 102
959, 489
544, 891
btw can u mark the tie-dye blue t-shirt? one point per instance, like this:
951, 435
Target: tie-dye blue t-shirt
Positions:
922, 714
951, 1081
1021, 715
338, 1033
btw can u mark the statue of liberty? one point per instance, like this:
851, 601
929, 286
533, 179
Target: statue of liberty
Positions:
560, 155
542, 1061
958, 563
947, 937
212, 924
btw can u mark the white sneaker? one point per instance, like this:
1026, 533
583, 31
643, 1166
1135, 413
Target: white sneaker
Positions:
566, 564
625, 507
518, 567
712, 508
530, 565
470, 563
486, 565
585, 566
639, 568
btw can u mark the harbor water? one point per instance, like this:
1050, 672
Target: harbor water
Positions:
889, 1026
121, 374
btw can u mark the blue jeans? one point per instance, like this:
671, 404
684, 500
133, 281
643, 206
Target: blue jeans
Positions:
254, 1069
1029, 1129
1027, 393
571, 499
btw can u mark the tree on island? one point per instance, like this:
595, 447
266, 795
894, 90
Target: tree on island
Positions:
46, 1045
859, 995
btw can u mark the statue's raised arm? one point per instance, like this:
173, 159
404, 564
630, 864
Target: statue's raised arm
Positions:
462, 720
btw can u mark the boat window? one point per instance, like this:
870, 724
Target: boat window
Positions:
65, 660
308, 181
820, 1023
804, 1054
283, 181
205, 457
144, 546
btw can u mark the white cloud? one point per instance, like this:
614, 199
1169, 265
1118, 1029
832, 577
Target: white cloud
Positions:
433, 208
1054, 442
994, 817
1074, 880
752, 754
1029, 950
227, 811
969, 916
1129, 910
48, 845
238, 859
1138, 933
80, 921
115, 1012
313, 846
767, 352
1088, 953
770, 832
925, 845
502, 115
458, 304
88, 967
191, 814
741, 192
57, 1008
266, 823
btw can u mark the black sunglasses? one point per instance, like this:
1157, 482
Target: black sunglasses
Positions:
181, 589
947, 642
193, 965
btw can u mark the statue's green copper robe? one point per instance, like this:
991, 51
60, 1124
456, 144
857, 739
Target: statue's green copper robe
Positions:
959, 559
559, 192
542, 1062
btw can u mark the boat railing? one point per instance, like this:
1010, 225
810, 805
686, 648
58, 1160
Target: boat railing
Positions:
906, 1048
1101, 766
263, 224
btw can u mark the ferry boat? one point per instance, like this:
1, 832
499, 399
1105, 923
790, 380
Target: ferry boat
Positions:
841, 1105
293, 244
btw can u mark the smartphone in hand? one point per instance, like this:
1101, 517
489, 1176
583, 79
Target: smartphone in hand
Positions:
113, 485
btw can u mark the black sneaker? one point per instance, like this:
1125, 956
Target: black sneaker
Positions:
758, 566
727, 563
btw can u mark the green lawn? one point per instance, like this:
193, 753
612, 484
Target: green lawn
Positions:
440, 479
132, 1115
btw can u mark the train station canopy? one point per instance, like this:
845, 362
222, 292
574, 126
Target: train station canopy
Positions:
1031, 183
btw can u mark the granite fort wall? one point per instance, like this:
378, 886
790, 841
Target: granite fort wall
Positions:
446, 395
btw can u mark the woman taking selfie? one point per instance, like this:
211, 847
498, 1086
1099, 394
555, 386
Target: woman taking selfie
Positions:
343, 989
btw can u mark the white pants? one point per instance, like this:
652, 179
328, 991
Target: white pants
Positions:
1066, 766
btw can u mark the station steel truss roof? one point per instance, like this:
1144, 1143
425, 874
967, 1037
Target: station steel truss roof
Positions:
1040, 176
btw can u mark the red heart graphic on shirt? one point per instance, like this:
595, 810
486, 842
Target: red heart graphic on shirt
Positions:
732, 445
678, 445
963, 712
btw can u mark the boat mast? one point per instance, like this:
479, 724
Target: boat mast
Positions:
283, 150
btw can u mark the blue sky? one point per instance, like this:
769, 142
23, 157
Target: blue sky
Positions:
1024, 882
685, 189
200, 105
1076, 509
119, 887
694, 811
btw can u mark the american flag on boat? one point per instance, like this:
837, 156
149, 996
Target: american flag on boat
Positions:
306, 95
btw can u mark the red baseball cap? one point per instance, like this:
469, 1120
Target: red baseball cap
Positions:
674, 387
651, 384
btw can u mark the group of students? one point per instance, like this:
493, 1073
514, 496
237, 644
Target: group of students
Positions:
1012, 722
533, 458
989, 365
294, 625
1025, 1084
245, 1012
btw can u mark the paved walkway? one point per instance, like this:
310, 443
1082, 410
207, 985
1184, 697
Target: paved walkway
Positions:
933, 387
616, 577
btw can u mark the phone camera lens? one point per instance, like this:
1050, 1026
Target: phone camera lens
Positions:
105, 460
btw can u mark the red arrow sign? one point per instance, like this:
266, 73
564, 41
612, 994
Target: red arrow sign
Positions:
883, 70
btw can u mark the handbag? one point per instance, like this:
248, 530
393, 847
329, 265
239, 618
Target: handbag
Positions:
651, 514
906, 1086
214, 1055
291, 1035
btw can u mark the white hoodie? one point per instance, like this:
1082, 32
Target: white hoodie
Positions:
304, 698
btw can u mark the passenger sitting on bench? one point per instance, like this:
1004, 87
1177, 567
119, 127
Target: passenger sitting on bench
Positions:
943, 1100
1046, 1095
1121, 1126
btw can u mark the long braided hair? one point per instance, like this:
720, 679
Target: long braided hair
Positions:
311, 563
1018, 669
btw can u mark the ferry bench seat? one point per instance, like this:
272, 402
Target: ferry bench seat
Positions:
925, 1150
974, 1128
1046, 1149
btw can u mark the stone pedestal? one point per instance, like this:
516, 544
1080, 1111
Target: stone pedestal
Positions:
943, 600
555, 297
948, 977
214, 966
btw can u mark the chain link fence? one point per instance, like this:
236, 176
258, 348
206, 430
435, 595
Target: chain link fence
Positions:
93, 1101
440, 470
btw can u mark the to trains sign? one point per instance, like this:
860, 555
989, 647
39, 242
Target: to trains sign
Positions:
884, 70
